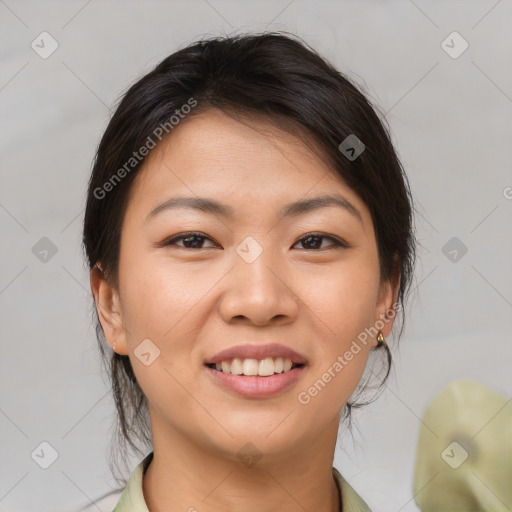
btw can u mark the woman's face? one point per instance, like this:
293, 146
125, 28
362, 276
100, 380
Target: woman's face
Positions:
252, 276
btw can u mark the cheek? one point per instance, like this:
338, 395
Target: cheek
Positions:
343, 299
156, 295
159, 301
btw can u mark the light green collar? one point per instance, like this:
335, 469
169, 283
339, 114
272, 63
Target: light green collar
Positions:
132, 499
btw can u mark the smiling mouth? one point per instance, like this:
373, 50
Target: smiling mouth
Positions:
254, 367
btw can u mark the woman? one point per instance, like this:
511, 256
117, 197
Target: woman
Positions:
249, 234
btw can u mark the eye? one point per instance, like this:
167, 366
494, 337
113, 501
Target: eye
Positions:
196, 240
315, 241
192, 240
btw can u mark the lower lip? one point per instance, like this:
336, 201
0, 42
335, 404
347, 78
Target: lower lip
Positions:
253, 386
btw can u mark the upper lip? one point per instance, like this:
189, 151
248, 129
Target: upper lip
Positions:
252, 351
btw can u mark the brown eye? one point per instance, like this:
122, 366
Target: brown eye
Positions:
315, 241
190, 241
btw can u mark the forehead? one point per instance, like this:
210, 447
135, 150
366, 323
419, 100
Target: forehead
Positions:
246, 163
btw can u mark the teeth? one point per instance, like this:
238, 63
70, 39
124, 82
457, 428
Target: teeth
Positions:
236, 366
266, 367
263, 368
249, 367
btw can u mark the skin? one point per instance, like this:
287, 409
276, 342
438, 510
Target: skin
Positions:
194, 302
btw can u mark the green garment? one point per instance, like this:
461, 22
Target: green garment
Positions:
132, 499
464, 454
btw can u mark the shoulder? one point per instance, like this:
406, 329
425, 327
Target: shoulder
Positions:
132, 498
105, 502
129, 499
351, 501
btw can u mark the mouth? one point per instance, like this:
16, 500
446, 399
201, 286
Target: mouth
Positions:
256, 378
253, 367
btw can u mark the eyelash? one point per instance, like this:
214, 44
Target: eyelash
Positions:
336, 242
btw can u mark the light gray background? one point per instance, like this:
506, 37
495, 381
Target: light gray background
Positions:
450, 120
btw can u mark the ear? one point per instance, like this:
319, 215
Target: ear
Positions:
385, 311
109, 311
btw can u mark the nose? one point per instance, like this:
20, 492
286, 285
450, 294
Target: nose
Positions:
259, 293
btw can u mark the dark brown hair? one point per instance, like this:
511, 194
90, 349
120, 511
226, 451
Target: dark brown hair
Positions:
274, 76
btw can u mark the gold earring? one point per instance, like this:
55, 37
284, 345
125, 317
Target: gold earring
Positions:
380, 340
114, 346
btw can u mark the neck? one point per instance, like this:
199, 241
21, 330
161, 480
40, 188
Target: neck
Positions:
187, 476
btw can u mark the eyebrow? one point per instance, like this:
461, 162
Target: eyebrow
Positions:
294, 209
